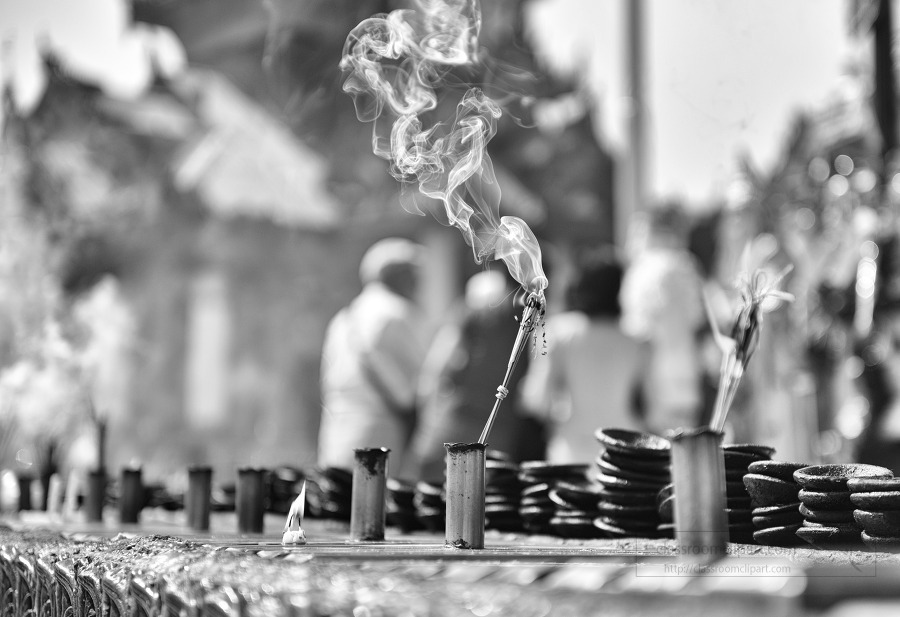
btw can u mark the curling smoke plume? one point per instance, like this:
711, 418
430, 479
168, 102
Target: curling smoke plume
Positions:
395, 62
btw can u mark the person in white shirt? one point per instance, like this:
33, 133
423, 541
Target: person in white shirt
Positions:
587, 378
371, 357
662, 307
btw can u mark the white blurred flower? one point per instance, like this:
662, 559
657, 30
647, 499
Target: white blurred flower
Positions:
109, 329
44, 393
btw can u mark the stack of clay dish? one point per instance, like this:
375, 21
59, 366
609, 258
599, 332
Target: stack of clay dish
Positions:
738, 457
537, 510
826, 506
430, 503
776, 506
630, 470
502, 492
328, 492
576, 509
877, 502
400, 507
665, 507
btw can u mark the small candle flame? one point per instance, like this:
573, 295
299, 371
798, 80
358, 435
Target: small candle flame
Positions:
293, 526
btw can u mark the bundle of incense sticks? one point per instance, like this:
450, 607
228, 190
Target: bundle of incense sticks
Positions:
737, 349
531, 315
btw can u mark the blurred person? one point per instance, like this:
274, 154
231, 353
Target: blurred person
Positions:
371, 357
464, 366
586, 379
662, 307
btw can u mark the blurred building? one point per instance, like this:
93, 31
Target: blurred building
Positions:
235, 201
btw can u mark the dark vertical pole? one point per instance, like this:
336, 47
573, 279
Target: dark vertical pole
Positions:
885, 88
631, 167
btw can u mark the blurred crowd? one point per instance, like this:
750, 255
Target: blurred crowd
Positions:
627, 341
620, 347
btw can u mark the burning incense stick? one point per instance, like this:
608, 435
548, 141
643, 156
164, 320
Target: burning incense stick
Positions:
739, 347
531, 314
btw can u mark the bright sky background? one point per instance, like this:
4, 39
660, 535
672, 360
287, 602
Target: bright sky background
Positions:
722, 76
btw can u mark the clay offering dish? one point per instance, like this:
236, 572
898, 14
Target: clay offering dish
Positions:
617, 511
627, 498
884, 545
611, 530
826, 517
611, 469
750, 448
822, 500
769, 510
835, 477
766, 491
873, 485
667, 491
883, 524
883, 500
667, 509
624, 484
785, 535
632, 462
779, 518
829, 537
782, 470
735, 459
634, 443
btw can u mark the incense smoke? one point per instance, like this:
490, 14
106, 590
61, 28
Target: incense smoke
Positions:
396, 61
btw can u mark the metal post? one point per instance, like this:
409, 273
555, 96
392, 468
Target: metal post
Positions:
95, 495
367, 505
198, 497
250, 500
465, 495
131, 499
698, 473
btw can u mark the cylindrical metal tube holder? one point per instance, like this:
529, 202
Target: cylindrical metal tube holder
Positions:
131, 499
199, 495
250, 500
95, 495
698, 473
465, 495
24, 480
367, 497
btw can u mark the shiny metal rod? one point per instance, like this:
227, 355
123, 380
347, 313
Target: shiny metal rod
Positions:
530, 314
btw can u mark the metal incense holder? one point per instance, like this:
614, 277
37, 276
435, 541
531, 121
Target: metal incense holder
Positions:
367, 497
250, 500
199, 495
131, 499
95, 495
698, 473
465, 495
24, 481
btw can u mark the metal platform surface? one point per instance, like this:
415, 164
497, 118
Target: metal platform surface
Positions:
159, 562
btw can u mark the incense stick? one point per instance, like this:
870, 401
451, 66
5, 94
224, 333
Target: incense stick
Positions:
534, 309
740, 346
